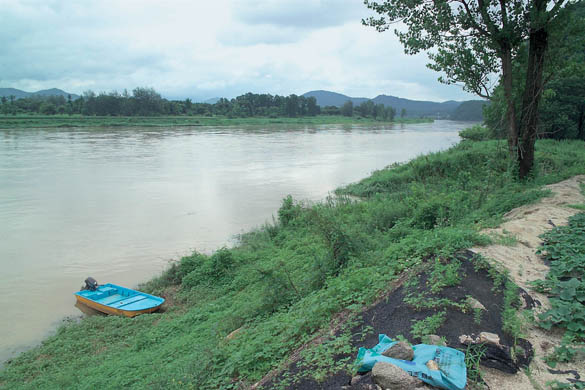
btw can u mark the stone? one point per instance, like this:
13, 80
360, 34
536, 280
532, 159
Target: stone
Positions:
546, 345
433, 339
400, 350
489, 338
465, 339
359, 379
388, 376
474, 303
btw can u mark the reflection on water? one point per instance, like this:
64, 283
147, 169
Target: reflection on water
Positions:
118, 203
88, 311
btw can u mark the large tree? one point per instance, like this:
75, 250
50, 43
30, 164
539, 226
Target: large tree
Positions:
474, 42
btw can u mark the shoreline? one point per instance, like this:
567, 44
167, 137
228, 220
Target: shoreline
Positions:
64, 121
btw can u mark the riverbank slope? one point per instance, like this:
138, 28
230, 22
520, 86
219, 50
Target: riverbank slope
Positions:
237, 314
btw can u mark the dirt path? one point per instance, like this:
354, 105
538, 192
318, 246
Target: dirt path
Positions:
526, 224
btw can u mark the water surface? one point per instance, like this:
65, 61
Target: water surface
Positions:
119, 203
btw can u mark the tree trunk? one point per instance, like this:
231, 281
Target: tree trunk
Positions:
511, 130
528, 129
580, 124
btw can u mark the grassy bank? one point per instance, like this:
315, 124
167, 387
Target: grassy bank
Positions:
39, 121
286, 280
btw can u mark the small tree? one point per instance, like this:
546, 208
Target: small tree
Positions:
347, 108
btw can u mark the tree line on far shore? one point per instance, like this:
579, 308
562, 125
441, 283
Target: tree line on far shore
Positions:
148, 102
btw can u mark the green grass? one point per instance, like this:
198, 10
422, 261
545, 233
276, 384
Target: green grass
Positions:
40, 121
285, 281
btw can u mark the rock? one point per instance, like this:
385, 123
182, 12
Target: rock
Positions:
433, 365
359, 379
474, 303
388, 376
433, 339
400, 350
546, 345
489, 338
465, 339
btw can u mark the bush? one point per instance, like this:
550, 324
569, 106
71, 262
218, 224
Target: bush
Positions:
288, 211
476, 133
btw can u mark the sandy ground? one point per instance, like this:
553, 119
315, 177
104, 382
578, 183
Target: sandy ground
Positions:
526, 224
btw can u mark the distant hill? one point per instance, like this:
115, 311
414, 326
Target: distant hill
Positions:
469, 111
418, 108
19, 94
212, 100
326, 98
414, 108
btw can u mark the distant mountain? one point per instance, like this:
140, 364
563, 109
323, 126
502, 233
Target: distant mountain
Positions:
19, 94
471, 110
418, 108
212, 100
414, 108
327, 98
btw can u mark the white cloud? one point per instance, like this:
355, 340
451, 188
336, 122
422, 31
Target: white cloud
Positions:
207, 49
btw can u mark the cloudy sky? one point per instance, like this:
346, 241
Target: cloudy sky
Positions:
204, 49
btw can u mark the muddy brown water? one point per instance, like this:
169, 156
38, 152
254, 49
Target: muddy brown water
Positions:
119, 203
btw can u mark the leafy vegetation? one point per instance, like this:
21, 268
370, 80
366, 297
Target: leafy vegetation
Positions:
564, 247
428, 325
285, 282
476, 133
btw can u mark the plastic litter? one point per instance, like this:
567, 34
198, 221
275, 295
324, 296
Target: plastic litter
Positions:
451, 373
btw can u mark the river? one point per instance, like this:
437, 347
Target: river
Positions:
120, 203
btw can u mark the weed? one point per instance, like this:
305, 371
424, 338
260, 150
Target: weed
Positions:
444, 275
477, 312
511, 321
429, 325
473, 356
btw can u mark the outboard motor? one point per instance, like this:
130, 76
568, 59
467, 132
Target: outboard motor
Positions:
90, 284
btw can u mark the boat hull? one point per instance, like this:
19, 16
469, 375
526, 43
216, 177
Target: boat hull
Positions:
114, 311
117, 300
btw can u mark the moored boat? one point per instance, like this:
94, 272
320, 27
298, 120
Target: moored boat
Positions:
112, 299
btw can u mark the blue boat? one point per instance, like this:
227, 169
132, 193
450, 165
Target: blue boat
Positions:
112, 299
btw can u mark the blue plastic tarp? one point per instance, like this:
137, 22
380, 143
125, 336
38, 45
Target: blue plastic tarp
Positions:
451, 375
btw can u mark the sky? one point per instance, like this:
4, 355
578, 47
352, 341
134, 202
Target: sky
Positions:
206, 49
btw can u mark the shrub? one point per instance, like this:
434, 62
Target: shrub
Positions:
476, 133
288, 211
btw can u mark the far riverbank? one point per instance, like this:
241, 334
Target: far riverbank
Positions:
52, 121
